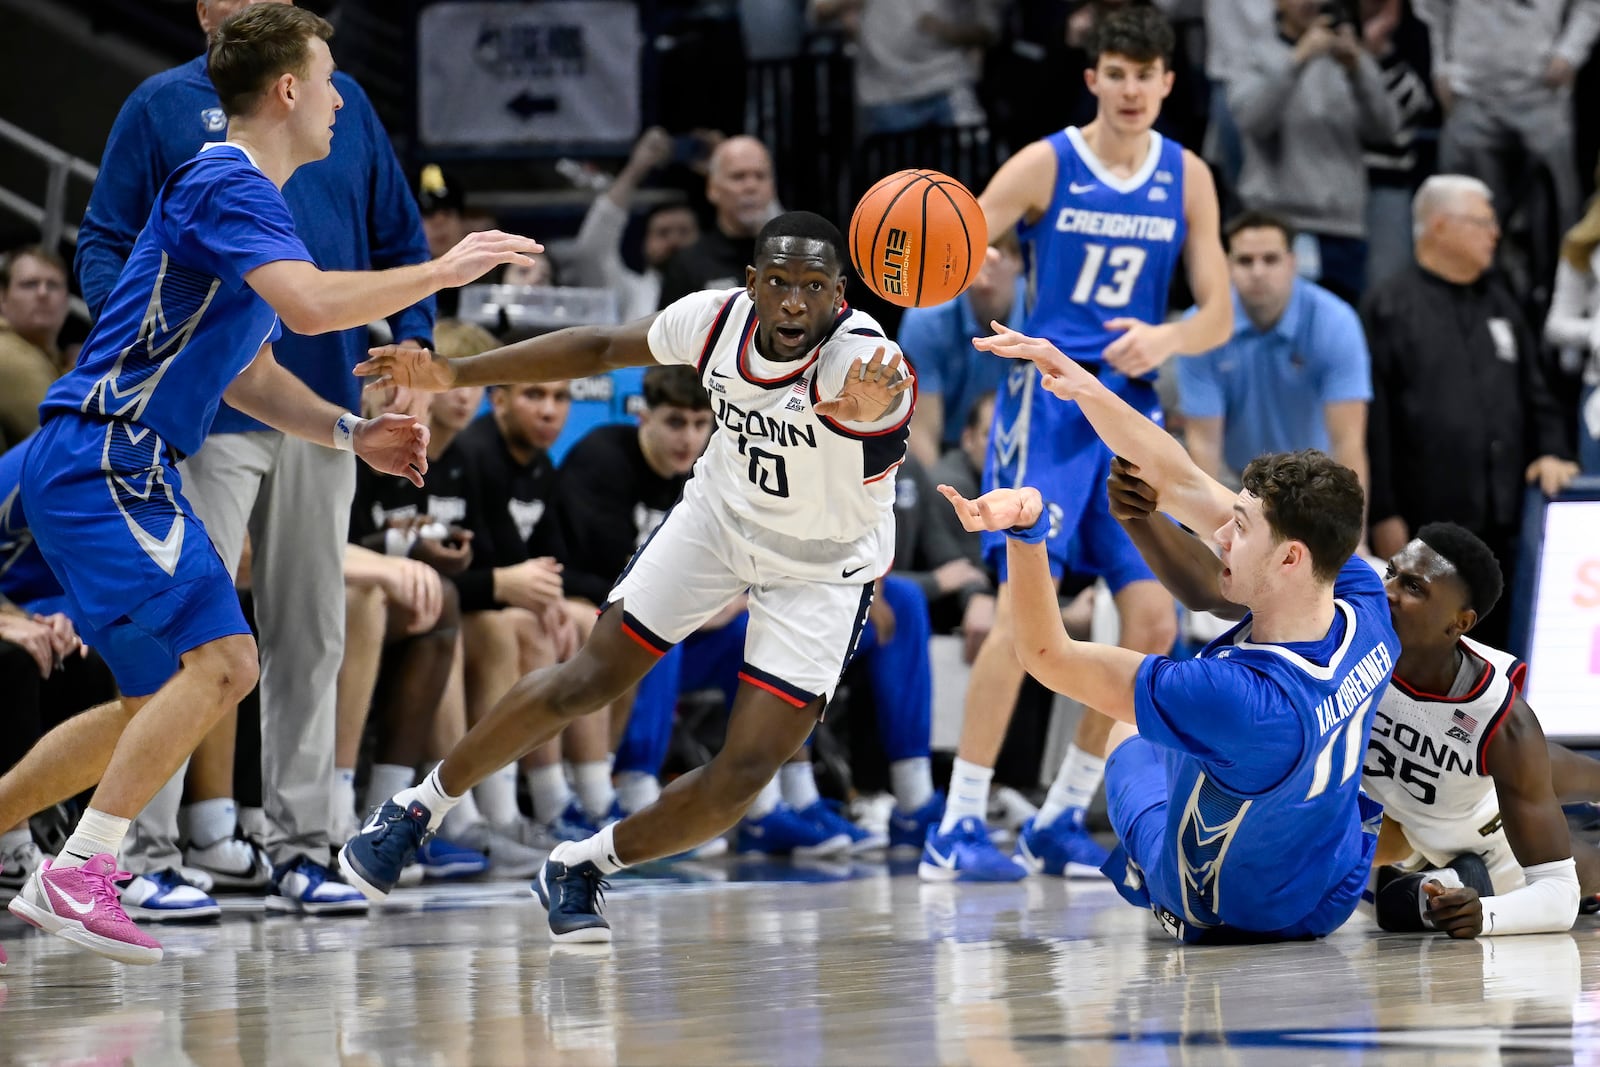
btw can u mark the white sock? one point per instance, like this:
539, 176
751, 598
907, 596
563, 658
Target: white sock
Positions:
497, 796
431, 795
386, 780
799, 782
551, 794
1074, 788
454, 825
97, 832
344, 791
598, 850
766, 801
12, 840
210, 821
637, 790
912, 782
969, 794
595, 791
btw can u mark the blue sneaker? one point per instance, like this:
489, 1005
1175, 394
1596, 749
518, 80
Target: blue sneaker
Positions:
572, 896
446, 859
1064, 849
573, 824
966, 854
373, 859
827, 817
783, 832
307, 887
910, 829
163, 896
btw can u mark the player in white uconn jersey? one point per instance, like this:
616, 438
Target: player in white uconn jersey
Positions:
793, 501
1461, 766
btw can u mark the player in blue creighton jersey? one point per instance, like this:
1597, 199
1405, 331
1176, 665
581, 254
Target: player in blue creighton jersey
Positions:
1105, 213
1237, 798
189, 323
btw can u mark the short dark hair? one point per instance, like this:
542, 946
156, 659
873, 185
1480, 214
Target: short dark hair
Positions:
39, 252
254, 48
1257, 220
804, 224
1138, 31
1309, 497
676, 386
1473, 561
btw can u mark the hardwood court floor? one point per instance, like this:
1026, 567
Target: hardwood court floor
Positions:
755, 963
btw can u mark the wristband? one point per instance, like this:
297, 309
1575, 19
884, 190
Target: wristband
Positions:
344, 429
1034, 534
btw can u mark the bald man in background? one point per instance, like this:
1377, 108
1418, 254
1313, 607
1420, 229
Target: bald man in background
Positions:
740, 187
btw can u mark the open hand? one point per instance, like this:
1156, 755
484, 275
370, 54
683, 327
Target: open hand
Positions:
1457, 912
996, 510
479, 253
1062, 376
870, 390
405, 367
394, 444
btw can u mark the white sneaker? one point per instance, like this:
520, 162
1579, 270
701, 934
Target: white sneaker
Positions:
164, 896
507, 855
17, 866
231, 863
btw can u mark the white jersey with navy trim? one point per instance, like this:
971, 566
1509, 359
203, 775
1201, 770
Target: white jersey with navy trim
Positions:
1426, 761
795, 486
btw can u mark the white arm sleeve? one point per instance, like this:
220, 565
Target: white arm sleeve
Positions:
1548, 904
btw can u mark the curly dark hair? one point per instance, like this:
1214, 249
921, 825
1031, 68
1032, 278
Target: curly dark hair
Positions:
675, 386
1309, 497
1138, 31
1473, 561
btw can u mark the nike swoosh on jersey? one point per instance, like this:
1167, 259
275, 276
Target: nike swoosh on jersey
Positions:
1077, 190
856, 570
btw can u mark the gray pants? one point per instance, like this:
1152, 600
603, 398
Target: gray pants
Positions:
1494, 139
293, 498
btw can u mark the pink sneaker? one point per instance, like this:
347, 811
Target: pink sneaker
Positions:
80, 904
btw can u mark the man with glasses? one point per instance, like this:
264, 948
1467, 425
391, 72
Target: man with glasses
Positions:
1462, 417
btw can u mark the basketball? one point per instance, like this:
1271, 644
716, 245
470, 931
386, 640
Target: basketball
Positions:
918, 238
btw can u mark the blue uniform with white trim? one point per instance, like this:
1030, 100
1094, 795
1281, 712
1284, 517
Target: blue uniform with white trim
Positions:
100, 485
1105, 249
1238, 806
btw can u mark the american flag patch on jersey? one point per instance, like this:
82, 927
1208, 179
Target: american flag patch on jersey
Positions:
1465, 720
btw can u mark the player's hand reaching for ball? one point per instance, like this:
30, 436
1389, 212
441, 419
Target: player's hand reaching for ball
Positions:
996, 510
1458, 912
1062, 376
870, 390
405, 367
480, 252
393, 444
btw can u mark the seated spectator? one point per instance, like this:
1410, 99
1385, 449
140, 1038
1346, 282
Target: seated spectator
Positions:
1296, 373
740, 188
596, 256
917, 61
1504, 75
1304, 103
927, 554
951, 374
1462, 417
33, 308
1574, 324
962, 469
443, 203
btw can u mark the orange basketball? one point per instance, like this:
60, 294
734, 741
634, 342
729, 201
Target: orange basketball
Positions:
918, 238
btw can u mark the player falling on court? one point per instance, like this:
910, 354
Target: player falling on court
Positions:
792, 500
1236, 799
190, 323
1104, 214
1468, 784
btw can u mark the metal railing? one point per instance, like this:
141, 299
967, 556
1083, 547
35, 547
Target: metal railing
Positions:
51, 216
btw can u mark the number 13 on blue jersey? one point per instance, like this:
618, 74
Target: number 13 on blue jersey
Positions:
1124, 263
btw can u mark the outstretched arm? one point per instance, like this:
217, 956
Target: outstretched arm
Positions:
576, 352
1184, 491
1100, 676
